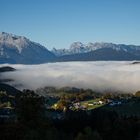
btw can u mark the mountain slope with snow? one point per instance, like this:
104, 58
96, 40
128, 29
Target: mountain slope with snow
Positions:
98, 52
18, 49
79, 48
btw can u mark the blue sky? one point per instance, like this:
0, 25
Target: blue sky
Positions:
58, 23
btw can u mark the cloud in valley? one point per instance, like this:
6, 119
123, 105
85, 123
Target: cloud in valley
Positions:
99, 76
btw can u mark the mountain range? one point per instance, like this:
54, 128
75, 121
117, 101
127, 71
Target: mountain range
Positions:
78, 48
20, 50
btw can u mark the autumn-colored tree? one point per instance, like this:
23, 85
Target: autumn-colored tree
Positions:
137, 94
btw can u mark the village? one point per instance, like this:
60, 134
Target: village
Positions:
57, 104
89, 104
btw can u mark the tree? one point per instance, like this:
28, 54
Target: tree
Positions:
30, 107
137, 94
88, 134
62, 104
80, 136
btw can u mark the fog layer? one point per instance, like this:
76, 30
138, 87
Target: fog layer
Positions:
99, 76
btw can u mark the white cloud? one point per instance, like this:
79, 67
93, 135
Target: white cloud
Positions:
100, 76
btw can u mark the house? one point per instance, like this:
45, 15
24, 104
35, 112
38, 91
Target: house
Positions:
77, 105
90, 104
101, 102
114, 103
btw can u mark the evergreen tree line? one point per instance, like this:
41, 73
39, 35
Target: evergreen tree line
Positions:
32, 123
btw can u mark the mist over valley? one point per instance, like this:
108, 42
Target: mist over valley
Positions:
101, 76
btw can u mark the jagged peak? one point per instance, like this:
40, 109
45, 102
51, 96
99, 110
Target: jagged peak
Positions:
5, 36
77, 45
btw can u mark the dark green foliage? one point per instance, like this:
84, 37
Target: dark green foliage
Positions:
9, 89
32, 122
6, 69
30, 107
88, 134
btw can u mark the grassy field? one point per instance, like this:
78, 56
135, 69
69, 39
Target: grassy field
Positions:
90, 107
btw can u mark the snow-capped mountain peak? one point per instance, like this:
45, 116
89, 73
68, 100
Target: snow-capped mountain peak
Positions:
77, 45
19, 49
17, 42
78, 48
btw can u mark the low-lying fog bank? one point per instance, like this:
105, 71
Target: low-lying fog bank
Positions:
99, 75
